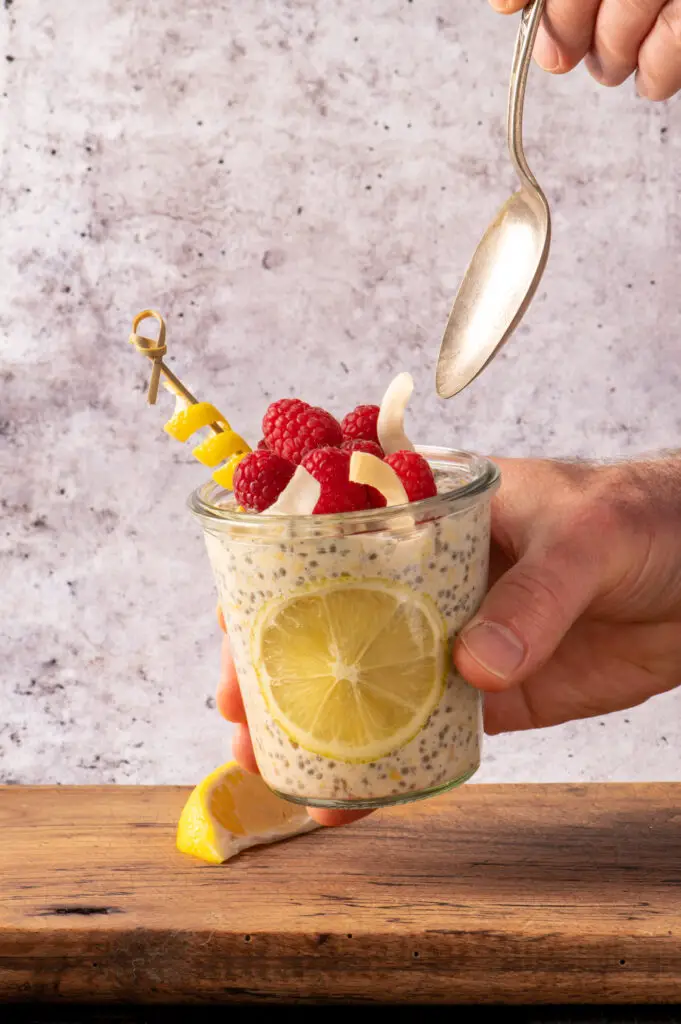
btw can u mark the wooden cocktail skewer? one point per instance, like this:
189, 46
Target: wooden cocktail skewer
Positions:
155, 349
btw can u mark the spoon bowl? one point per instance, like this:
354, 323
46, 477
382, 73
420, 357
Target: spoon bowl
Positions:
496, 291
505, 271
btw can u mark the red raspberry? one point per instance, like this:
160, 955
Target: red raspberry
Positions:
358, 444
415, 474
376, 499
260, 478
292, 428
331, 467
361, 423
262, 445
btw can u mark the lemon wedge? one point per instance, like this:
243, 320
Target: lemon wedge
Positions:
351, 669
232, 810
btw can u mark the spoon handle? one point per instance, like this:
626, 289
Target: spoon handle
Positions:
527, 34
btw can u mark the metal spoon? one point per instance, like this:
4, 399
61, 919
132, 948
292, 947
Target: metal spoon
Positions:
509, 262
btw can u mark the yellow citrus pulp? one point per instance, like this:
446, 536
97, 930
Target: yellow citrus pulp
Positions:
232, 810
351, 669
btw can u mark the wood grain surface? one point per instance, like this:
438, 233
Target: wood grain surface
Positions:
513, 894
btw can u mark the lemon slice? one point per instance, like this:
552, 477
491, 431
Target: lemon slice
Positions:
351, 669
232, 810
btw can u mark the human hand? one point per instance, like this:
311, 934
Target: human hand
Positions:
585, 597
584, 613
617, 37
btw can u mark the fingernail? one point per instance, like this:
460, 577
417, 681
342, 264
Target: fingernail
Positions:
594, 66
546, 54
497, 649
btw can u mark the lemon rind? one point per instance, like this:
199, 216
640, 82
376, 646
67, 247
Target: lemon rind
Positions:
200, 836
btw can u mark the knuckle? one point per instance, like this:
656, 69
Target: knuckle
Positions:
594, 521
610, 519
615, 500
627, 497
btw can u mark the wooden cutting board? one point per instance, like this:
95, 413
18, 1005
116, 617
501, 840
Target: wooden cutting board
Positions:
518, 894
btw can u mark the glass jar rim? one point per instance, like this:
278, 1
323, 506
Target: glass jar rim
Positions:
483, 477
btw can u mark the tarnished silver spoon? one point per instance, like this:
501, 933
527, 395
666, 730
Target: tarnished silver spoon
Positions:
509, 262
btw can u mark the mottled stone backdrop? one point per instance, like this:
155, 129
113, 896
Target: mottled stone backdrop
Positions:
298, 186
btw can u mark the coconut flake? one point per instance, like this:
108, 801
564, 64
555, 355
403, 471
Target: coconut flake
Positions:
299, 497
391, 435
373, 472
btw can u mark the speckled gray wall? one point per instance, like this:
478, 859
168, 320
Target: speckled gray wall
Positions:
298, 186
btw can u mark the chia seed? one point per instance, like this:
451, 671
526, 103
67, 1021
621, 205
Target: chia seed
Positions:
445, 560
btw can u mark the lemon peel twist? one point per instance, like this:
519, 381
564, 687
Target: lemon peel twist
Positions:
224, 445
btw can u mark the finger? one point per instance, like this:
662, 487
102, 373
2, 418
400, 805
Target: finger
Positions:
639, 662
242, 749
499, 563
508, 6
228, 697
659, 59
221, 619
507, 711
546, 51
621, 27
332, 818
565, 34
525, 616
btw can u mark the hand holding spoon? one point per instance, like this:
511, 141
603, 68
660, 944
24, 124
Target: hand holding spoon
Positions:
508, 264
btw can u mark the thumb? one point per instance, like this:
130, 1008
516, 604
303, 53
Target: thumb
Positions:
524, 617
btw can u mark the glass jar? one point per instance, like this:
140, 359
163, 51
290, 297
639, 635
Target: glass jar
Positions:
341, 629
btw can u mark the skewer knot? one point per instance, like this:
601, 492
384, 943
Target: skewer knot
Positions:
153, 348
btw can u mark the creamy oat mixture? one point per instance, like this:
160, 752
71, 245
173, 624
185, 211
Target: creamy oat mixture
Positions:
446, 559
